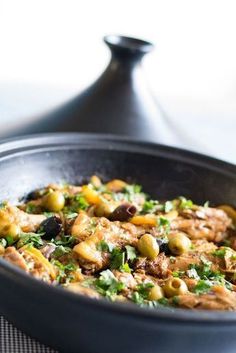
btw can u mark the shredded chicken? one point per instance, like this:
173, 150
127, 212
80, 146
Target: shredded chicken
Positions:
14, 257
219, 298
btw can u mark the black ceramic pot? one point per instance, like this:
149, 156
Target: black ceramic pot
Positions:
118, 102
73, 323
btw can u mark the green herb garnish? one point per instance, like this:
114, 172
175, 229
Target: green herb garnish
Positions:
132, 189
220, 253
163, 225
65, 240
71, 215
125, 268
30, 238
76, 203
203, 286
149, 206
178, 273
10, 240
60, 251
130, 253
104, 246
117, 258
141, 294
184, 203
107, 284
63, 270
175, 300
31, 208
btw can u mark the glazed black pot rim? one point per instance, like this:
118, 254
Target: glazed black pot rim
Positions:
46, 140
37, 142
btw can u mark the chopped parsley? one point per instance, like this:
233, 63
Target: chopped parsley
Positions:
49, 214
132, 189
130, 193
130, 253
184, 203
30, 238
60, 251
75, 204
207, 276
220, 253
149, 206
178, 273
117, 258
31, 208
141, 294
71, 215
107, 284
63, 270
104, 246
163, 225
203, 286
175, 300
205, 272
10, 240
65, 240
125, 268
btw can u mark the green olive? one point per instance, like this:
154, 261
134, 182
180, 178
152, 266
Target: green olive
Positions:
179, 244
54, 201
148, 246
175, 286
155, 293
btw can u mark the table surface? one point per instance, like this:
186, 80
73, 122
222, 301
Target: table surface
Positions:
200, 129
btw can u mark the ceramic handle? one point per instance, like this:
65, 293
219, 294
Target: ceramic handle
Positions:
127, 47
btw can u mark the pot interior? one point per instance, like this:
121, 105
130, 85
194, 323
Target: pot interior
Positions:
163, 172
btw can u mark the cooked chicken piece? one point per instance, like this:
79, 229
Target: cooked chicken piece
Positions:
116, 233
38, 266
205, 222
202, 250
82, 227
28, 263
219, 298
182, 263
203, 246
13, 256
12, 215
157, 267
141, 277
78, 288
228, 263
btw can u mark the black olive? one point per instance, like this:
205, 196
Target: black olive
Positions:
163, 246
33, 195
123, 212
51, 227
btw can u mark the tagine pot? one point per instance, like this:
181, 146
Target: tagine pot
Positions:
118, 102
